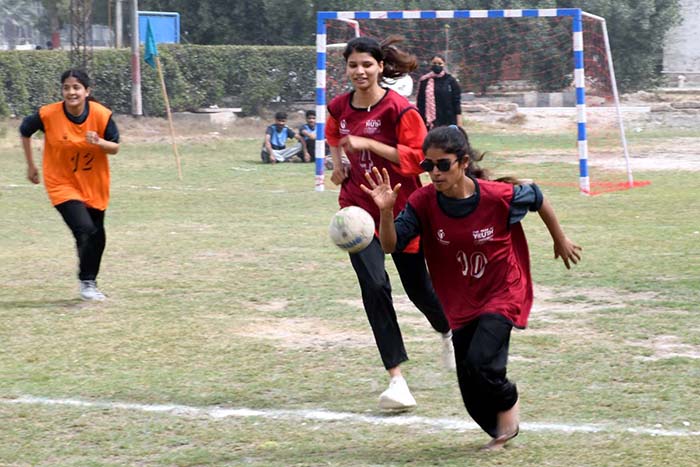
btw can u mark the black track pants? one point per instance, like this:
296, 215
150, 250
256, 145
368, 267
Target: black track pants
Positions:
87, 225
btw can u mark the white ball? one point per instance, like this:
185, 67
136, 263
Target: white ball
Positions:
351, 229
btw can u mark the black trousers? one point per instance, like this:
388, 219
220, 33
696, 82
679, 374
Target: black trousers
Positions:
87, 225
481, 353
376, 296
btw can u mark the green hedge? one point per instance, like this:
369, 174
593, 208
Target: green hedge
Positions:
196, 76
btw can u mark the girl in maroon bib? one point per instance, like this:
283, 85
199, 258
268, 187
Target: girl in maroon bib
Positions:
479, 264
377, 128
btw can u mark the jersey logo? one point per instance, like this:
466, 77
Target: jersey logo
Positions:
440, 234
483, 235
372, 126
344, 127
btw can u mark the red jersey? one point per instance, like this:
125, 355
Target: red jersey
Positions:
478, 263
380, 123
392, 121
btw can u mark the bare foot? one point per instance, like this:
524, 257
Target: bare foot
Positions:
496, 444
508, 427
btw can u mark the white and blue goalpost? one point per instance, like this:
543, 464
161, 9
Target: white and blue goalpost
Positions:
576, 15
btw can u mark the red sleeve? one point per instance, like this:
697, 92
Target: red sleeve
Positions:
411, 134
332, 131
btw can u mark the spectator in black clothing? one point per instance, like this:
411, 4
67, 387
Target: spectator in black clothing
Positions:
439, 96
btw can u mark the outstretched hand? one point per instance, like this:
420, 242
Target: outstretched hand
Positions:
568, 251
380, 189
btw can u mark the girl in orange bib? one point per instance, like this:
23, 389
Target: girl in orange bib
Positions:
78, 134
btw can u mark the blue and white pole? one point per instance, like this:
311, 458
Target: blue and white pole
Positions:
320, 97
580, 84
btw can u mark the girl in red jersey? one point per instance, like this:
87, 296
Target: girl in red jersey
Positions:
78, 135
479, 263
378, 128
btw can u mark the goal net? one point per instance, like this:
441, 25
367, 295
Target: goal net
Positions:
541, 73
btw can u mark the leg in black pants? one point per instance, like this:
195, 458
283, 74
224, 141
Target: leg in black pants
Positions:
87, 225
416, 282
481, 350
376, 296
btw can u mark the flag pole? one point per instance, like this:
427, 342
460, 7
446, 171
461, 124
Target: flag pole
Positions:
151, 57
170, 117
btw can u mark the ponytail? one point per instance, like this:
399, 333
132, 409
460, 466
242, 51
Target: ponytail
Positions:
397, 62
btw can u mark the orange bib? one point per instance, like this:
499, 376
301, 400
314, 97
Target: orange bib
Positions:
73, 168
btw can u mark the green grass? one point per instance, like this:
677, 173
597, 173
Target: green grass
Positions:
223, 290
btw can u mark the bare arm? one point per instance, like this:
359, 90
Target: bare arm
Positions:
268, 148
307, 156
107, 146
340, 170
563, 247
352, 143
384, 197
32, 171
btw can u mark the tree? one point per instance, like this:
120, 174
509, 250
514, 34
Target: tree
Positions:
637, 28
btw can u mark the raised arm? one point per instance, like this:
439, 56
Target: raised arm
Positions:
563, 247
384, 197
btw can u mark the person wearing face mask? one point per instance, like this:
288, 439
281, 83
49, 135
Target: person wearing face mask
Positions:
79, 134
439, 98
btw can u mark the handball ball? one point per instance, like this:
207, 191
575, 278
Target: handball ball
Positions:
351, 229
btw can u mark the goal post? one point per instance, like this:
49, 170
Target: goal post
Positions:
576, 43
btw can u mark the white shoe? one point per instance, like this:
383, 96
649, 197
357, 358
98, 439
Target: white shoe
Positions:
397, 396
448, 352
90, 292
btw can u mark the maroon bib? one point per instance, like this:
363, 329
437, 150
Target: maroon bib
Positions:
380, 123
478, 263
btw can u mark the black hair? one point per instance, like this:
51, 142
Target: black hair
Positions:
454, 140
396, 61
310, 113
80, 75
281, 116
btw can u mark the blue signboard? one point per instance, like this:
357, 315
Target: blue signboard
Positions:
164, 24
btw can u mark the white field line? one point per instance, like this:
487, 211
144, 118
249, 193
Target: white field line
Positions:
320, 415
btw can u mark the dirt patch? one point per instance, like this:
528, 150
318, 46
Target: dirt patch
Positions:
665, 347
308, 333
668, 154
554, 309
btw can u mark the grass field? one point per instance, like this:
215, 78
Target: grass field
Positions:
225, 294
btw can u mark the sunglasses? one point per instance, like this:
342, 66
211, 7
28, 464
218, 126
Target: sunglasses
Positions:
443, 165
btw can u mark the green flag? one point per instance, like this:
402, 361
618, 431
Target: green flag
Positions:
151, 50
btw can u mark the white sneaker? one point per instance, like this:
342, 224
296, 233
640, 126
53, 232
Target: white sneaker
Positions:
448, 352
397, 396
90, 292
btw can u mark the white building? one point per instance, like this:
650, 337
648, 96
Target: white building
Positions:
681, 51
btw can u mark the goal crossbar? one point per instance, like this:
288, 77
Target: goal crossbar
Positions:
576, 15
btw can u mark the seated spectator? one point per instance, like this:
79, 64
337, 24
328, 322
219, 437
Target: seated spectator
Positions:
275, 145
308, 132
